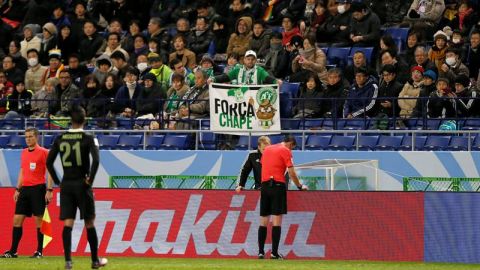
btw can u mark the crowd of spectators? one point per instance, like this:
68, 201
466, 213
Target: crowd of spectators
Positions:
155, 59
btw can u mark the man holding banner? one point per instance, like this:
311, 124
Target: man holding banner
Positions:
31, 195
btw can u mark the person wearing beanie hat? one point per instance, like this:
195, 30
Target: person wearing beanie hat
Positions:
429, 86
389, 87
48, 42
160, 70
467, 102
148, 101
417, 68
55, 65
411, 90
453, 66
430, 74
365, 26
436, 54
30, 40
441, 103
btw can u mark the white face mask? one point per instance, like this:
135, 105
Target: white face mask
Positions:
341, 9
32, 62
450, 61
142, 66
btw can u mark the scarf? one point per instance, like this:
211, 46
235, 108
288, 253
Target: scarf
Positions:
195, 90
462, 15
307, 53
247, 76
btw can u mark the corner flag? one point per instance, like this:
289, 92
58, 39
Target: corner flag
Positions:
46, 228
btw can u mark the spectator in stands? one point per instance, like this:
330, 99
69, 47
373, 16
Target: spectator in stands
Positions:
68, 94
458, 44
30, 40
34, 75
408, 55
424, 15
195, 102
315, 15
160, 70
237, 10
240, 40
208, 65
154, 46
151, 98
155, 31
77, 71
290, 29
186, 56
44, 99
389, 88
59, 17
113, 45
421, 59
139, 47
205, 10
200, 37
295, 8
390, 12
120, 64
11, 71
6, 89
107, 93
387, 43
466, 17
429, 86
467, 102
126, 97
19, 103
364, 27
18, 59
90, 43
441, 103
361, 96
103, 66
13, 12
309, 59
389, 57
407, 99
163, 9
248, 73
453, 66
232, 61
336, 29
183, 27
436, 54
277, 59
174, 94
128, 41
67, 42
54, 65
78, 19
115, 26
124, 10
48, 42
90, 88
359, 61
449, 13
310, 93
474, 54
142, 66
177, 67
260, 41
220, 33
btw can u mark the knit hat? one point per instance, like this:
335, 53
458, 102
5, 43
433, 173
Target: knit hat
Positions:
443, 79
207, 57
33, 27
297, 41
430, 74
55, 53
417, 68
50, 28
440, 34
463, 80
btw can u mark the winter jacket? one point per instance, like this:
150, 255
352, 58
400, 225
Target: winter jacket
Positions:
67, 97
439, 106
43, 102
20, 102
252, 163
334, 99
368, 28
123, 100
386, 91
390, 11
467, 103
163, 39
199, 43
188, 58
239, 43
89, 46
173, 99
318, 63
221, 40
34, 78
150, 100
454, 72
330, 30
45, 48
14, 75
426, 10
163, 74
410, 90
421, 107
287, 36
33, 43
474, 62
261, 44
197, 102
310, 104
277, 62
361, 100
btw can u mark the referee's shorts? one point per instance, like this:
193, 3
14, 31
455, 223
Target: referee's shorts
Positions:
76, 195
273, 198
31, 201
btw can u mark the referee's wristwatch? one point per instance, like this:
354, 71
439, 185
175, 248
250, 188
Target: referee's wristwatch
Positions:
50, 189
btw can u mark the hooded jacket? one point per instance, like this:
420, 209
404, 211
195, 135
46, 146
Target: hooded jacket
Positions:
361, 100
261, 44
239, 43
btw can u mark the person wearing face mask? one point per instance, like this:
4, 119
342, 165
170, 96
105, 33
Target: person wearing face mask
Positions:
457, 43
125, 99
453, 66
35, 72
200, 38
336, 30
277, 59
142, 66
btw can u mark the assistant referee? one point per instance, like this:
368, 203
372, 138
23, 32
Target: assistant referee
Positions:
276, 159
31, 194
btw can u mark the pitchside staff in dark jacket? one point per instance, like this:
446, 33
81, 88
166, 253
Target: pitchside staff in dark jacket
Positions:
75, 148
253, 163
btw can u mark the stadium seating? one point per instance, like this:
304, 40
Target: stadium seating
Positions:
317, 142
175, 142
457, 143
367, 142
342, 143
4, 139
153, 142
17, 142
471, 124
436, 143
407, 143
47, 140
207, 141
291, 88
399, 35
338, 56
289, 124
368, 51
129, 142
108, 142
311, 123
388, 143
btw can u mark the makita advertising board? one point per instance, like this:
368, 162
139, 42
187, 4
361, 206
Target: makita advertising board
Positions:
197, 223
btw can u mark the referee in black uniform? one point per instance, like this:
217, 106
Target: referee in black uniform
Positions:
75, 148
253, 163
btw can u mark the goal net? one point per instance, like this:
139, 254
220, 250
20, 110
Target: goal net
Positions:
339, 174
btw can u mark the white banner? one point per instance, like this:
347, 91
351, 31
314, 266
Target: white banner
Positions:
235, 108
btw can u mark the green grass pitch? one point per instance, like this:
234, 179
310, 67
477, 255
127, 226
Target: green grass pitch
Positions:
56, 263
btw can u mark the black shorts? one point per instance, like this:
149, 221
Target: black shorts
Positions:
75, 196
273, 199
31, 201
